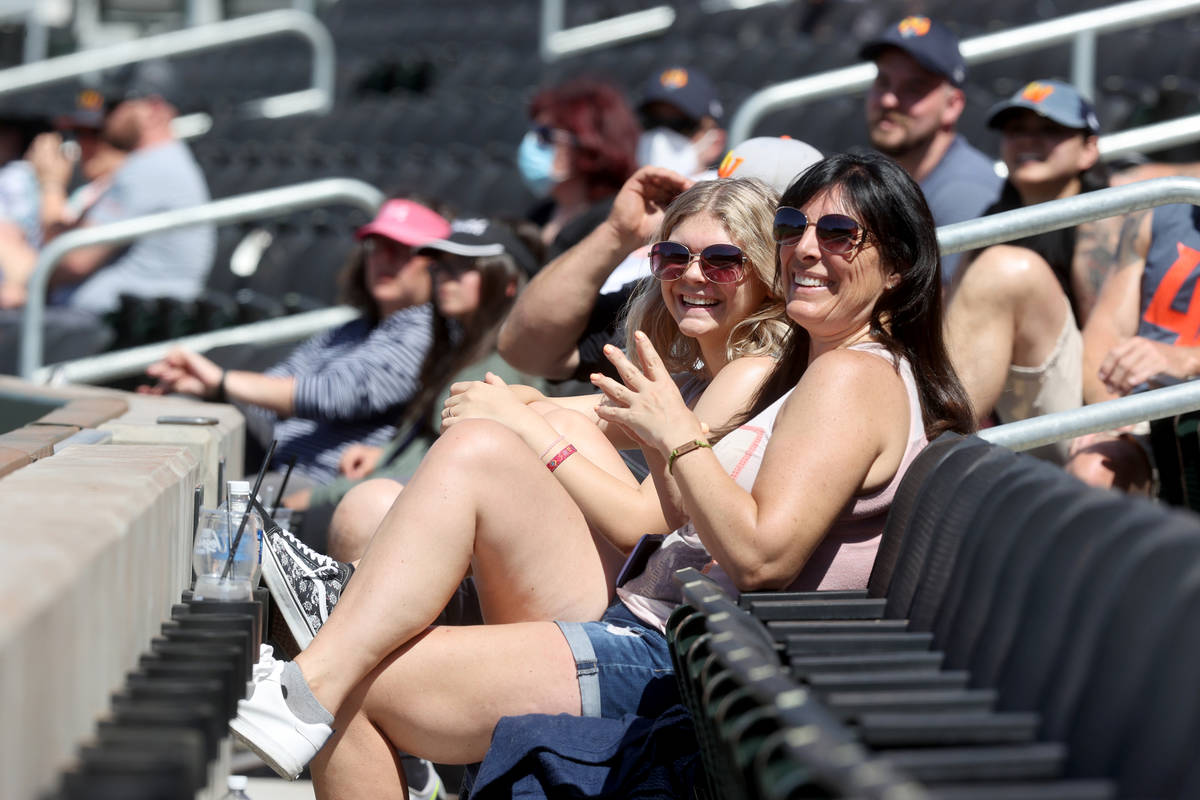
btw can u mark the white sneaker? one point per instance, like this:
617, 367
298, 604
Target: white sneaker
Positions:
265, 664
431, 789
266, 725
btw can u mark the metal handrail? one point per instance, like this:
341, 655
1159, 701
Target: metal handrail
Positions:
1049, 216
1018, 223
318, 98
1026, 434
253, 205
1081, 28
557, 42
134, 360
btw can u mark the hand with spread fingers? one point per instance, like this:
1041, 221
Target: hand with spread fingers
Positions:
647, 403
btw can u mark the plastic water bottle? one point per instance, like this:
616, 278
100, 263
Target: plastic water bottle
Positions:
239, 504
237, 788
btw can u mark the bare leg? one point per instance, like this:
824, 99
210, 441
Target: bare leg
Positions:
358, 515
480, 499
440, 697
1007, 309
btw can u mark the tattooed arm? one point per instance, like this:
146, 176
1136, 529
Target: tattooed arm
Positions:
1101, 247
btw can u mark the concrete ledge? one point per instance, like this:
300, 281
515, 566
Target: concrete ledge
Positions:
11, 460
86, 412
133, 419
97, 542
96, 538
36, 441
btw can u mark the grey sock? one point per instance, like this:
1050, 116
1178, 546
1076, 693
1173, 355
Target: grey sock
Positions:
299, 697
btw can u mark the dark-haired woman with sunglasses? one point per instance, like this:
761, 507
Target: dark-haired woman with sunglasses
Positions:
538, 505
797, 496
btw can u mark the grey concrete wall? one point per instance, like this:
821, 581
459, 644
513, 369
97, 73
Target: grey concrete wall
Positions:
96, 543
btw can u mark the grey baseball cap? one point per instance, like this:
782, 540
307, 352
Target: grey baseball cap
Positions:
1056, 101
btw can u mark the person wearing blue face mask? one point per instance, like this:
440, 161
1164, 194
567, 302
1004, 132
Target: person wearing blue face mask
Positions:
576, 155
680, 115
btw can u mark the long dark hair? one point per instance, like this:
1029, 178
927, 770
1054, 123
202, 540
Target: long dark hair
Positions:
907, 320
458, 344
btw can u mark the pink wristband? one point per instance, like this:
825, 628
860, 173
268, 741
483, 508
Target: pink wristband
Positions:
562, 456
550, 447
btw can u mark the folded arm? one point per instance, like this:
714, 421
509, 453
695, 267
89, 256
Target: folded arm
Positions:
541, 334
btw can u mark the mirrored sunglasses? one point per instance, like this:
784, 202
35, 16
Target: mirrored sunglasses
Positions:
720, 263
837, 234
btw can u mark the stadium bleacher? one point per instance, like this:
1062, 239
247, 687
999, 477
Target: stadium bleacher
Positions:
950, 666
431, 98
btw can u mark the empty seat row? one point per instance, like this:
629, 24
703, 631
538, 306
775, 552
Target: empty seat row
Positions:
1022, 636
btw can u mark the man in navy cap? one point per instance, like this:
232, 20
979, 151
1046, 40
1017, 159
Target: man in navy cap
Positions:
681, 119
912, 113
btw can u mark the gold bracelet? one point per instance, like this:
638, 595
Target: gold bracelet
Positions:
684, 449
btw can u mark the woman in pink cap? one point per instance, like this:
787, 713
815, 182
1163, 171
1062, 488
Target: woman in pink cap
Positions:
348, 384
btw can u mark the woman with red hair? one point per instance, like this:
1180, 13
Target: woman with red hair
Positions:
578, 152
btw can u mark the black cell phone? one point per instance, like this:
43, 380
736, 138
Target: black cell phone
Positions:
173, 420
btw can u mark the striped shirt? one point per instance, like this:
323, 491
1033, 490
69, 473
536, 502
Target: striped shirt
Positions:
352, 385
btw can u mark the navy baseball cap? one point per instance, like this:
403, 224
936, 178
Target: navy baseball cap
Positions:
1056, 101
141, 79
687, 89
930, 43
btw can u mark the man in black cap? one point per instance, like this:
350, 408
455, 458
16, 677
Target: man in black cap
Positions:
912, 113
159, 174
681, 122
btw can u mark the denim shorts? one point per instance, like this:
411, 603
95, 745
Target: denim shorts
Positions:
624, 666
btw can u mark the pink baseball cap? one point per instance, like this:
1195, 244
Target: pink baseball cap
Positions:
406, 222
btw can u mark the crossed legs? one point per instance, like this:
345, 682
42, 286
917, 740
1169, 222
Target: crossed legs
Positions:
482, 501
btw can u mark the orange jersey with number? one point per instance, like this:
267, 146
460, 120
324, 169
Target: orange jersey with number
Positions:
1170, 302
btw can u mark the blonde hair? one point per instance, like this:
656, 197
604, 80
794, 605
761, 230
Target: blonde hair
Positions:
745, 207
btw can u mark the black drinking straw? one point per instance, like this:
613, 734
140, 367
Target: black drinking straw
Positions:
283, 485
262, 471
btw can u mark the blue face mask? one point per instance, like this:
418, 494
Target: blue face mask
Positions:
536, 164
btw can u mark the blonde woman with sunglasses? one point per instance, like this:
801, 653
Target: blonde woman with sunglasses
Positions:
542, 516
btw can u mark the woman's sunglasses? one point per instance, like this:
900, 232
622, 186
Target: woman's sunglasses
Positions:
452, 266
720, 263
837, 234
547, 135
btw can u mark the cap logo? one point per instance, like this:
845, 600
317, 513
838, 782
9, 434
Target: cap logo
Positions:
471, 227
1036, 92
90, 100
398, 212
913, 26
674, 79
729, 165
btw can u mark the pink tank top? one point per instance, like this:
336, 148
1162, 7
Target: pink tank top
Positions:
843, 559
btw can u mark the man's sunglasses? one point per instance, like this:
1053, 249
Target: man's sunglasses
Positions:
681, 125
720, 263
837, 234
